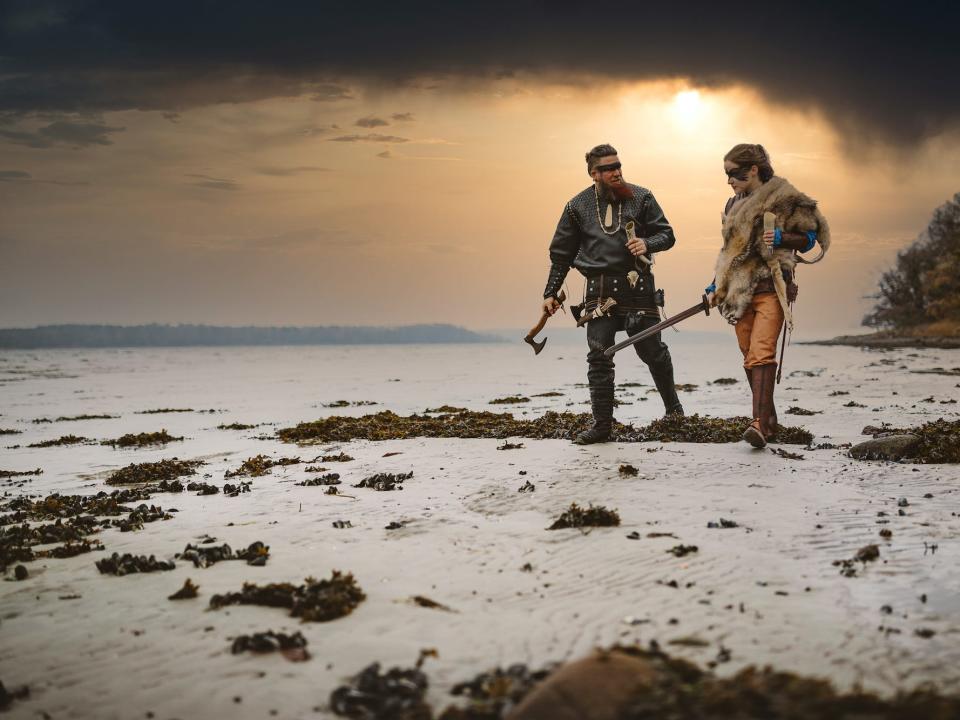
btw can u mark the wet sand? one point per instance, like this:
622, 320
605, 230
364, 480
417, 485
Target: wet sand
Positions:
765, 592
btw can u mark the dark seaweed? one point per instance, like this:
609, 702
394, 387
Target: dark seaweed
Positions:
260, 465
385, 481
154, 472
142, 439
594, 516
552, 425
293, 647
314, 601
127, 564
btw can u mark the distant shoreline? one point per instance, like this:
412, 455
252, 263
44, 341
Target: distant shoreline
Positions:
134, 336
886, 340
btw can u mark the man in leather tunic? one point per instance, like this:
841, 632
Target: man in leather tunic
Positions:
591, 237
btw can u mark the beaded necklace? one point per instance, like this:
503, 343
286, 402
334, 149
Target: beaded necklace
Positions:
596, 195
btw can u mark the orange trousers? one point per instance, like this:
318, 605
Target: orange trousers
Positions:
759, 329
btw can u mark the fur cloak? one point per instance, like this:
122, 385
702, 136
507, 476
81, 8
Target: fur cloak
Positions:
745, 260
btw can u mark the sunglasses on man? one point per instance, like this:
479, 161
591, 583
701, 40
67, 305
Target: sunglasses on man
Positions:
609, 167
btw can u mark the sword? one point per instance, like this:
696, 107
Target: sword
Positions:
701, 307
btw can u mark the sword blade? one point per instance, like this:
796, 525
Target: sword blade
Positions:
701, 307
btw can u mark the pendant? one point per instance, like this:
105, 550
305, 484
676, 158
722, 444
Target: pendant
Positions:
608, 218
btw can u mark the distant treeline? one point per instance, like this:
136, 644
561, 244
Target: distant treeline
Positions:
101, 336
922, 290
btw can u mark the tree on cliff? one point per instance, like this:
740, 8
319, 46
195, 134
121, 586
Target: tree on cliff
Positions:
924, 285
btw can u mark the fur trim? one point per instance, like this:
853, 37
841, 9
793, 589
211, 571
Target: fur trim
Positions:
745, 260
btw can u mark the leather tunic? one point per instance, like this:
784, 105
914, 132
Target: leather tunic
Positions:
580, 241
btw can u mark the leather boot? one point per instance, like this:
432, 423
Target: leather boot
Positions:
601, 401
663, 379
768, 413
754, 432
763, 379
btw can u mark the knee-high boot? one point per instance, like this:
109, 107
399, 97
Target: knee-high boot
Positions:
601, 402
763, 379
662, 373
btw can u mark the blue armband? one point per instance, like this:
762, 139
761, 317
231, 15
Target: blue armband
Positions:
811, 240
711, 288
778, 237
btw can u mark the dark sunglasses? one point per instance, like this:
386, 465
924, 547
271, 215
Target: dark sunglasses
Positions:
738, 173
607, 168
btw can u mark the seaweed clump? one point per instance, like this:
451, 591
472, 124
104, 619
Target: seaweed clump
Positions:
142, 439
314, 601
339, 457
796, 410
593, 516
385, 481
154, 472
236, 426
141, 515
848, 568
15, 473
10, 431
495, 693
703, 429
501, 426
128, 564
203, 488
509, 400
187, 592
398, 694
65, 440
939, 442
203, 556
292, 647
260, 465
159, 411
328, 479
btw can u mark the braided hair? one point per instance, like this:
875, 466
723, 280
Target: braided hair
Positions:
747, 154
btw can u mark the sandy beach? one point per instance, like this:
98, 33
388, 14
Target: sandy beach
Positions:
766, 592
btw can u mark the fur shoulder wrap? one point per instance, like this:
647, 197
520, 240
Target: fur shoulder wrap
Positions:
745, 260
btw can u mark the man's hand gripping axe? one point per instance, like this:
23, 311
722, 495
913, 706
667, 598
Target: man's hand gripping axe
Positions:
538, 346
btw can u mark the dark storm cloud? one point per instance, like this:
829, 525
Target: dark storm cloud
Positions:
371, 122
882, 68
370, 137
403, 117
63, 132
13, 175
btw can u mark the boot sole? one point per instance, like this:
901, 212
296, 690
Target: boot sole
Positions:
753, 436
578, 441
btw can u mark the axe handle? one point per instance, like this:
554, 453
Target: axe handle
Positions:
561, 297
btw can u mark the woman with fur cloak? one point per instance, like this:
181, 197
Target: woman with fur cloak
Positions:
753, 286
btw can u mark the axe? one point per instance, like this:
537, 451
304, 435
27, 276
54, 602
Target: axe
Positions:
538, 346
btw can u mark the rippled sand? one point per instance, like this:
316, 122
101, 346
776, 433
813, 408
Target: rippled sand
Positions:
767, 591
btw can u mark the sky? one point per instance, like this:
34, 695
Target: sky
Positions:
399, 163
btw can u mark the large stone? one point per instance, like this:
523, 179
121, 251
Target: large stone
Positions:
891, 447
596, 688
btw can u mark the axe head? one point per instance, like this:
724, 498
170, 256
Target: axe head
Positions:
537, 346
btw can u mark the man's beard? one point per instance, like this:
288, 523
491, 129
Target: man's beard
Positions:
621, 191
